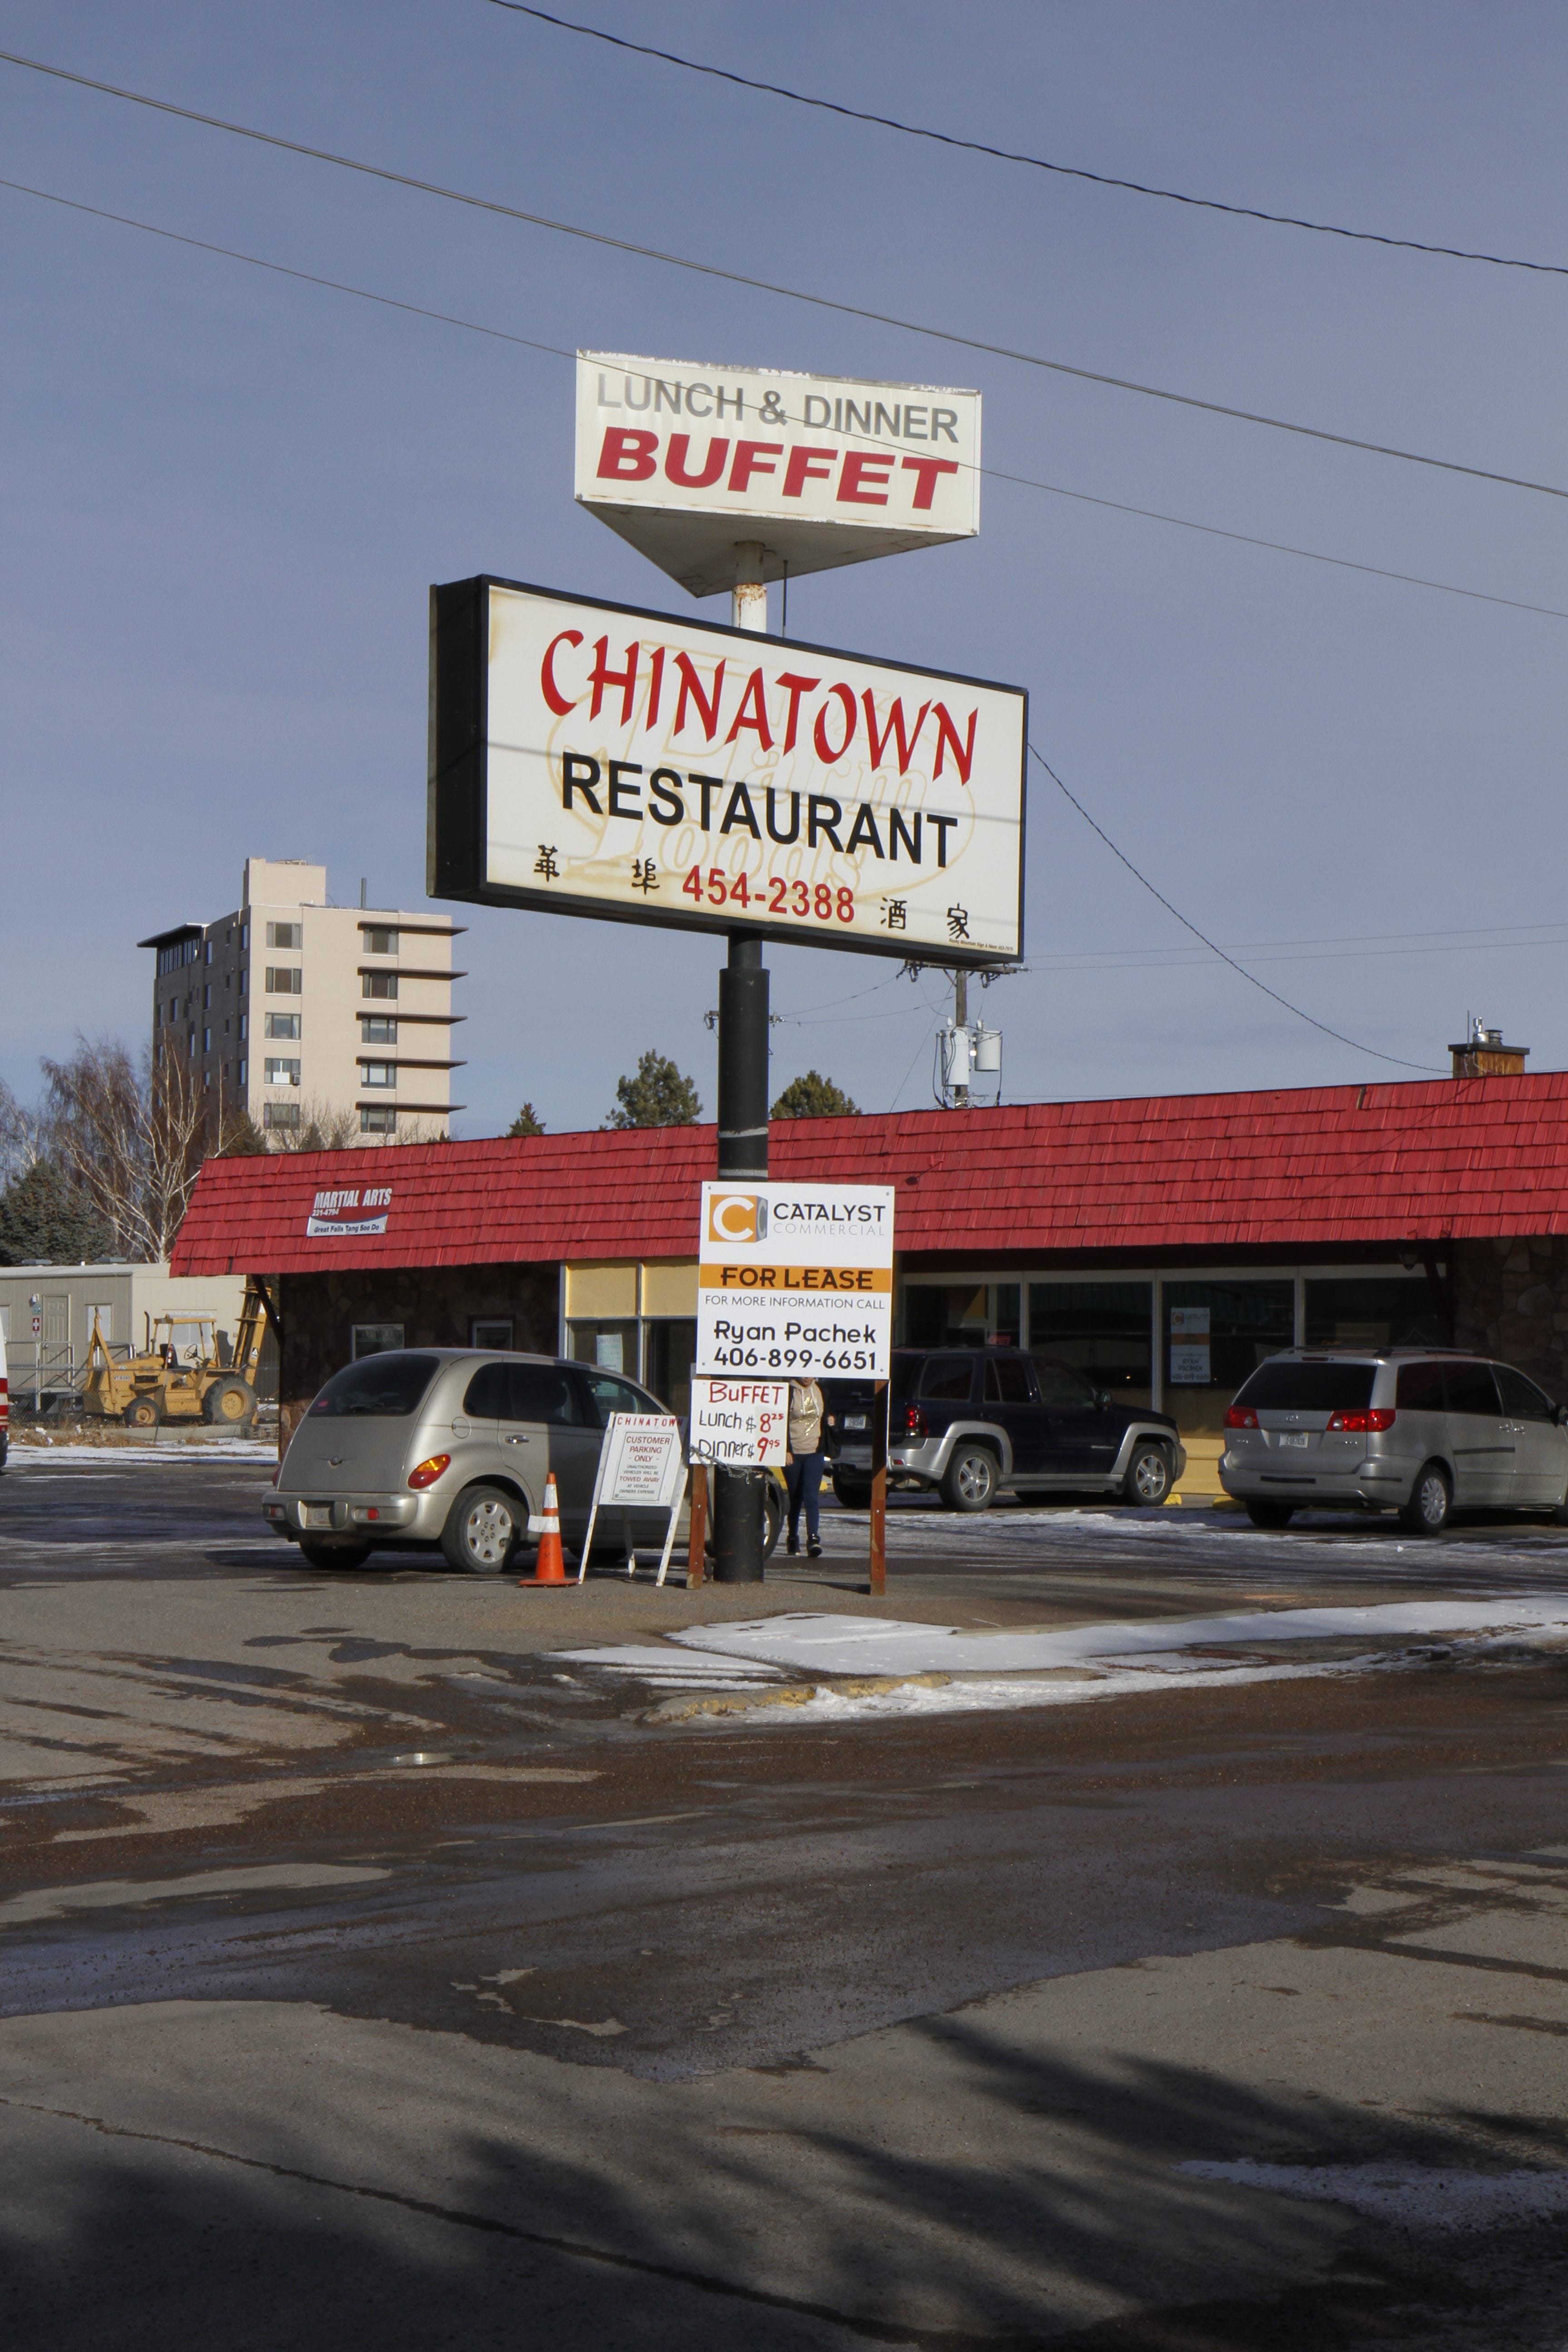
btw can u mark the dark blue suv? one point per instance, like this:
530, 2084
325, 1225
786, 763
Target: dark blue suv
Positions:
969, 1422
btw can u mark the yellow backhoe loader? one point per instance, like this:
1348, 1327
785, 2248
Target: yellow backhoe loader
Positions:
160, 1384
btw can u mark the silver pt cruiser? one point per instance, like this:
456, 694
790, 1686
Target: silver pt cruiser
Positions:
450, 1447
1413, 1430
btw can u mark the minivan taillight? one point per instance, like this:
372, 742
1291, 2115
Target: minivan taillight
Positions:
429, 1472
1241, 1416
1362, 1418
914, 1424
4, 1398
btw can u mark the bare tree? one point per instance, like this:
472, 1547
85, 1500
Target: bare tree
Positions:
21, 1137
334, 1126
129, 1140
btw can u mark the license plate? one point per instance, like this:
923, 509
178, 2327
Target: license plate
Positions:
854, 1420
1301, 1441
315, 1515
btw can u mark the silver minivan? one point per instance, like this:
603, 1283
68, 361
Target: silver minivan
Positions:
1414, 1430
422, 1447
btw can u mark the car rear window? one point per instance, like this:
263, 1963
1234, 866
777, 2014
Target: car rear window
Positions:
1307, 1388
389, 1387
1420, 1388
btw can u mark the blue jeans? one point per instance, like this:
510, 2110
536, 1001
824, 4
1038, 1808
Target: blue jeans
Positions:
803, 1478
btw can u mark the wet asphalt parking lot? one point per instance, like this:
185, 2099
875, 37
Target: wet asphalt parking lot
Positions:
397, 1957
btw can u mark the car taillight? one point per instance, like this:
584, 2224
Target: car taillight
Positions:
429, 1472
914, 1423
1241, 1416
1361, 1418
4, 1399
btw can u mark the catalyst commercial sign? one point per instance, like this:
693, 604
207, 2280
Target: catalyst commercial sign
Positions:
594, 759
686, 460
795, 1281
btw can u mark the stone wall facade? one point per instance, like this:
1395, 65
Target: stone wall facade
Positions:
436, 1306
1510, 1301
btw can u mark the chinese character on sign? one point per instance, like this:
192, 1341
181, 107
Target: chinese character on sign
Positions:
645, 874
895, 913
957, 923
545, 863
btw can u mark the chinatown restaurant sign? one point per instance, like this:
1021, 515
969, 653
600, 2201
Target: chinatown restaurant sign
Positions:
686, 460
795, 1282
594, 758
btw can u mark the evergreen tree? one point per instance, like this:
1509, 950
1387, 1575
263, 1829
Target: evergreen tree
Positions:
527, 1122
43, 1222
658, 1097
814, 1097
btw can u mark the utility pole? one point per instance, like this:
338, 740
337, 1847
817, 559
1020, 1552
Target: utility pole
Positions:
961, 1021
739, 1512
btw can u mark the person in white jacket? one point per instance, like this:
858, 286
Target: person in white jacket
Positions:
803, 1466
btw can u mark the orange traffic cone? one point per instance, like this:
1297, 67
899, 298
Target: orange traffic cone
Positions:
549, 1568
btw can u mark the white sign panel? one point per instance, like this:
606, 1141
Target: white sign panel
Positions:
741, 1422
1190, 1346
608, 762
795, 1281
350, 1211
687, 460
640, 1461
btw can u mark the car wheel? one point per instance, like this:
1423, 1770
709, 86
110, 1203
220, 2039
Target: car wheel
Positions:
482, 1530
1431, 1500
972, 1477
141, 1412
1270, 1515
1148, 1478
851, 1494
334, 1555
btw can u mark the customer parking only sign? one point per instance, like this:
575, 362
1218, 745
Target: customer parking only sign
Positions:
795, 1281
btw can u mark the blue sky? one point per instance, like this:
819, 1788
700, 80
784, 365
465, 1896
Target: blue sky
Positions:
225, 495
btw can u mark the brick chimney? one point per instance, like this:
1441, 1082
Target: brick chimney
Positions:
1483, 1053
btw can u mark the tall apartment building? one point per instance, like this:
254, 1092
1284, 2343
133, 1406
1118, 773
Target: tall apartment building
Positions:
289, 1007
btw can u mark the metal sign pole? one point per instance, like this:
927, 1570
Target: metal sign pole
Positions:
738, 1519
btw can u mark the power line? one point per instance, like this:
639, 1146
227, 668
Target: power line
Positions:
987, 473
1338, 1035
306, 277
784, 293
1035, 162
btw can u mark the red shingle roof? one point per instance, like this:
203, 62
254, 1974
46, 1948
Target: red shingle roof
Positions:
1324, 1165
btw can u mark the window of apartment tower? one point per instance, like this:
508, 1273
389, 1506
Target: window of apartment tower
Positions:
281, 1024
285, 980
377, 1119
377, 1029
378, 940
380, 983
378, 1074
280, 1114
285, 935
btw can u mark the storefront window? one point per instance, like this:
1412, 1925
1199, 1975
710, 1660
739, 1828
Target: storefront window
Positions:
949, 1314
1215, 1334
612, 1346
670, 1343
1381, 1311
1102, 1329
376, 1339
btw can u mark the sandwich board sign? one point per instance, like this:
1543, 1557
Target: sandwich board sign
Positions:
795, 1281
597, 759
686, 460
640, 1468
